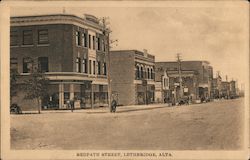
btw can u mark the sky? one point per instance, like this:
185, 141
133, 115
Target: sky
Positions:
216, 33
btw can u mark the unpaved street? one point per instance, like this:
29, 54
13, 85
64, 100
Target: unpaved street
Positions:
215, 125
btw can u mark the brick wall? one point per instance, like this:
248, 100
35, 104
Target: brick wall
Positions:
122, 74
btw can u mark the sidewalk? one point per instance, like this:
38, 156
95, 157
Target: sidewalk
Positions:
119, 109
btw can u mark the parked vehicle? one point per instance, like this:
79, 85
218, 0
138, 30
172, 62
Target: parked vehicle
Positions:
15, 109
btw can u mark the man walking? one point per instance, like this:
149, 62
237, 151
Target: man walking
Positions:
113, 106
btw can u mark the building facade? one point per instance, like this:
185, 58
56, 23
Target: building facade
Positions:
196, 77
132, 76
70, 50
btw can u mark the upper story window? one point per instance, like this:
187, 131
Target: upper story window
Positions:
84, 66
98, 43
148, 72
89, 41
78, 64
43, 63
84, 39
104, 68
43, 36
152, 74
93, 42
90, 67
137, 72
94, 68
98, 67
103, 45
13, 38
142, 72
13, 64
78, 38
27, 65
27, 37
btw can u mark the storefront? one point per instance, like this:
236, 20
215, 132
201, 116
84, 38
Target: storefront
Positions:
85, 94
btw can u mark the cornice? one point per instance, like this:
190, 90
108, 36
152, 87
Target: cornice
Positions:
55, 19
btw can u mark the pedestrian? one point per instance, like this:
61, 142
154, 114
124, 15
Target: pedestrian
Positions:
113, 106
72, 107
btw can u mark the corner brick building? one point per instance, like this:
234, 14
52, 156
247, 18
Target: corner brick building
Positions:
196, 79
70, 50
132, 76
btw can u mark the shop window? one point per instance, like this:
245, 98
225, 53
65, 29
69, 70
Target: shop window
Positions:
78, 64
43, 36
27, 37
13, 38
43, 63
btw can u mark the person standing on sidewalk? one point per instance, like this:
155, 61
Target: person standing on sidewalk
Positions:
72, 105
113, 106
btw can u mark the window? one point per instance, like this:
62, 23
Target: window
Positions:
78, 38
43, 64
84, 65
93, 67
99, 67
78, 64
13, 64
27, 65
104, 69
93, 42
27, 37
137, 72
43, 36
84, 39
90, 68
103, 45
98, 43
152, 74
142, 72
13, 38
148, 73
89, 41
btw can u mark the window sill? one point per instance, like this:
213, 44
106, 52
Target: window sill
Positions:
28, 45
14, 46
43, 45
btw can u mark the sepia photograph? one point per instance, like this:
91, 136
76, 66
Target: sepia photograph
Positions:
125, 80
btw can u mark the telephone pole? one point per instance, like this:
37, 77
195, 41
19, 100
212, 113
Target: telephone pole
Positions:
179, 72
106, 32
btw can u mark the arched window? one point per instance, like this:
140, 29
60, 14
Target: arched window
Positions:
137, 72
152, 74
148, 72
142, 72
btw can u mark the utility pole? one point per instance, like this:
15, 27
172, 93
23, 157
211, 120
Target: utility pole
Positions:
106, 32
179, 72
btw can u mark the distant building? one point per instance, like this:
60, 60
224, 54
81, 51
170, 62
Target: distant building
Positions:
132, 75
196, 79
225, 89
216, 87
70, 50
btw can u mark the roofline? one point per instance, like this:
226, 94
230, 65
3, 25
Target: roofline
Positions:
87, 22
130, 50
